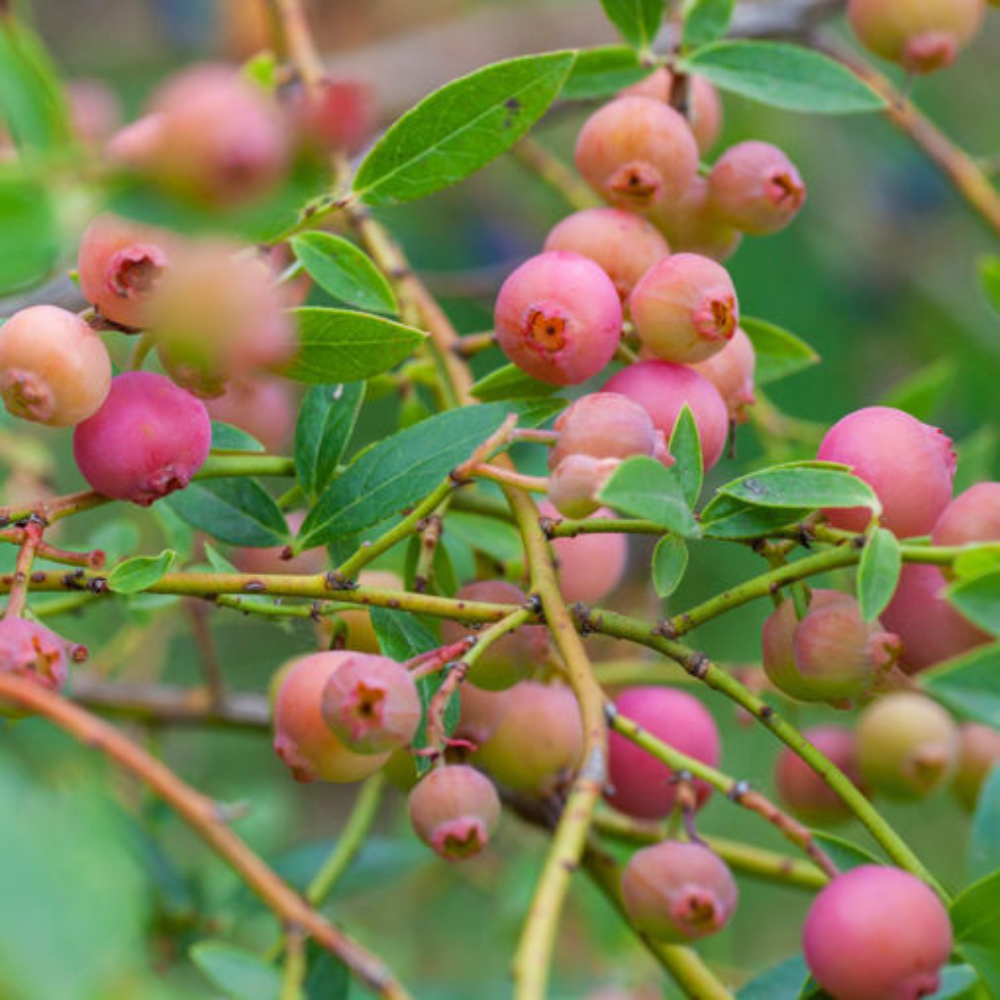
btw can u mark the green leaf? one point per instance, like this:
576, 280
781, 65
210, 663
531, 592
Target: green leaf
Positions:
802, 486
924, 392
878, 573
984, 838
643, 487
989, 275
337, 345
29, 237
778, 352
978, 561
398, 471
638, 21
784, 76
226, 437
497, 539
328, 978
602, 72
460, 128
240, 974
326, 422
670, 559
958, 982
975, 917
726, 517
969, 685
115, 538
32, 105
401, 636
705, 21
237, 511
344, 271
844, 854
685, 446
509, 382
781, 982
978, 598
140, 573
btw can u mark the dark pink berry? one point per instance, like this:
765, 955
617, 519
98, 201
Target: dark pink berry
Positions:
877, 933
684, 308
371, 703
803, 790
640, 785
662, 389
302, 739
677, 892
454, 811
558, 318
625, 246
756, 188
53, 368
606, 425
920, 35
637, 151
731, 371
147, 440
910, 466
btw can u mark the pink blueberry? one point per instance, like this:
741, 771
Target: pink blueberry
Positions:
455, 810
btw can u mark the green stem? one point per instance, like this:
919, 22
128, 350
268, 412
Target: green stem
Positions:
219, 466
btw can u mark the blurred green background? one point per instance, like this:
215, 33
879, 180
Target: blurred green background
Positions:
104, 890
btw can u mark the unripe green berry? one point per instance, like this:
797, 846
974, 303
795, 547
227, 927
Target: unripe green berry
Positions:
907, 745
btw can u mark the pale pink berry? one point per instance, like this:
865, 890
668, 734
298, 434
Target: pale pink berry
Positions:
920, 35
677, 892
263, 407
558, 318
576, 482
684, 308
979, 754
639, 784
691, 224
973, 516
636, 151
147, 440
54, 369
606, 425
590, 566
731, 371
663, 389
34, 652
756, 188
877, 933
625, 246
482, 712
302, 739
704, 107
910, 466
371, 703
455, 810
804, 791
120, 263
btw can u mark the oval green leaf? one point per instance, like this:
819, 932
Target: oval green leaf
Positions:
344, 271
237, 511
969, 685
240, 974
975, 916
460, 128
705, 21
984, 839
602, 72
227, 438
337, 345
638, 21
784, 76
878, 573
802, 486
685, 446
140, 573
978, 598
509, 382
326, 422
670, 559
643, 487
778, 352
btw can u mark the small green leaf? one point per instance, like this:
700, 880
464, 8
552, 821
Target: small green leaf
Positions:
398, 471
643, 487
326, 422
705, 21
509, 382
29, 237
924, 392
969, 685
602, 72
726, 517
670, 559
780, 982
401, 636
226, 437
238, 511
802, 485
778, 352
337, 345
637, 21
496, 539
984, 839
975, 916
344, 271
978, 598
844, 854
878, 573
989, 275
460, 128
140, 573
784, 76
328, 978
978, 561
240, 974
685, 446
